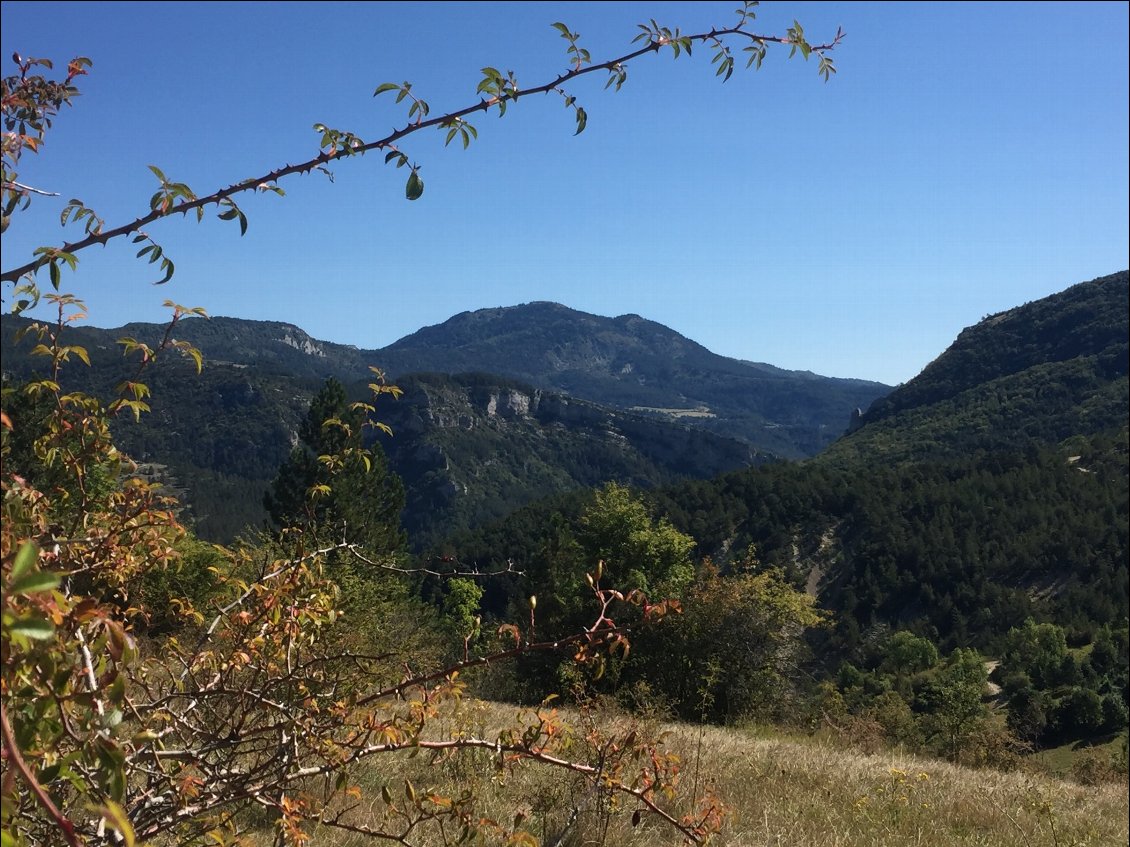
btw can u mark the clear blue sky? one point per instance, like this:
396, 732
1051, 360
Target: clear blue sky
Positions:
966, 158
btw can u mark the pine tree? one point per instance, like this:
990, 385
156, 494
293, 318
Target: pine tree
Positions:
335, 486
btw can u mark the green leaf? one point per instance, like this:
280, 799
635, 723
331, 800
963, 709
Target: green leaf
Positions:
582, 120
34, 582
415, 186
382, 88
167, 267
36, 628
27, 557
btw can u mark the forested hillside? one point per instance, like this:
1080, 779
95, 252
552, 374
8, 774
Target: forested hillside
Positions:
1007, 532
218, 438
474, 448
1037, 374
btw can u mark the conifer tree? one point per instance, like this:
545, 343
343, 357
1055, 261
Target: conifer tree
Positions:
334, 484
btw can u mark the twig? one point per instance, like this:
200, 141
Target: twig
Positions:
10, 184
474, 574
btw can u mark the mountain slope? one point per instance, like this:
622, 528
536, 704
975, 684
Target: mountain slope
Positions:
1039, 373
633, 363
473, 448
991, 489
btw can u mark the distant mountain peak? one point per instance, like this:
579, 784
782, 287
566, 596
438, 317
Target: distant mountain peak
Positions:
632, 362
626, 362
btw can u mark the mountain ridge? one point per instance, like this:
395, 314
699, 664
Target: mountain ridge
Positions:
627, 362
1043, 371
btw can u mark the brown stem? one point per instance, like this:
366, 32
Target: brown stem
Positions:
11, 753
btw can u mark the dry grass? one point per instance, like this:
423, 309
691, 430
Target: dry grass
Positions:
799, 793
793, 792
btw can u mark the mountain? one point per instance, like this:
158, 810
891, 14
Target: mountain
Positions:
650, 407
990, 489
473, 448
1039, 373
627, 363
469, 448
635, 364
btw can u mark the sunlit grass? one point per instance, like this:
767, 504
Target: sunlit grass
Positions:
789, 791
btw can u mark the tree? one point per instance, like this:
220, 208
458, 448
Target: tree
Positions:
637, 551
907, 653
366, 498
954, 701
733, 651
261, 699
1038, 650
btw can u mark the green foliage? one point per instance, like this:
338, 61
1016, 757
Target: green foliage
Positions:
900, 725
953, 699
733, 652
1052, 695
906, 654
364, 501
167, 595
736, 641
637, 551
958, 551
1036, 650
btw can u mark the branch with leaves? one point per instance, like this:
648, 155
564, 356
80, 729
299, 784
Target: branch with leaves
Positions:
496, 91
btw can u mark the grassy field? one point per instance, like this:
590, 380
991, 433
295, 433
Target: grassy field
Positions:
793, 792
1062, 759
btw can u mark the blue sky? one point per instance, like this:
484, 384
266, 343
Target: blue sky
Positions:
966, 158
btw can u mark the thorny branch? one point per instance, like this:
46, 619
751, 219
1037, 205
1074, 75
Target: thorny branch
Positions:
270, 178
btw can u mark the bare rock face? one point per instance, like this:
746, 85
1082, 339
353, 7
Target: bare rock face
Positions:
302, 342
511, 404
